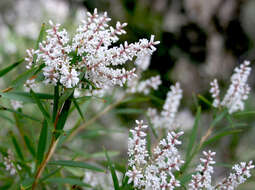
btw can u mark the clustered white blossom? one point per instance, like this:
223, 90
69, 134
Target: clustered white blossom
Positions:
16, 104
143, 86
203, 178
166, 119
156, 171
9, 163
240, 175
237, 92
204, 171
30, 84
89, 55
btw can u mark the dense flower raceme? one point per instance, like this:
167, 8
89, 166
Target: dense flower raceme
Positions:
89, 55
237, 92
157, 171
166, 119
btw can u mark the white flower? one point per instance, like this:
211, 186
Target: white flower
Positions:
240, 175
215, 91
157, 171
204, 171
30, 84
16, 104
167, 116
144, 86
238, 90
69, 79
143, 62
153, 172
90, 53
9, 163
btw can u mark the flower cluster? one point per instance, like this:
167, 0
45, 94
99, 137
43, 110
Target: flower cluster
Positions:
16, 104
204, 171
237, 92
89, 57
9, 163
156, 171
143, 86
166, 118
240, 175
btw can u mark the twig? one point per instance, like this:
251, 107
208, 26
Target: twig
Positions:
48, 156
93, 119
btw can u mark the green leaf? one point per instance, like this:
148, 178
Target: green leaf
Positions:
84, 98
6, 118
40, 106
67, 94
29, 145
55, 104
70, 181
128, 111
193, 136
62, 117
10, 67
206, 101
219, 118
26, 184
244, 113
70, 163
24, 96
112, 169
42, 142
135, 100
220, 135
78, 109
19, 113
41, 36
17, 147
21, 79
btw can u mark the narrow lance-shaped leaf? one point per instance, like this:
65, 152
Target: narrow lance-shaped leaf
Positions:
113, 173
206, 101
17, 147
77, 164
78, 109
29, 145
42, 142
193, 136
40, 106
10, 67
18, 112
55, 104
67, 94
60, 123
40, 39
21, 79
24, 96
219, 117
220, 135
128, 111
41, 36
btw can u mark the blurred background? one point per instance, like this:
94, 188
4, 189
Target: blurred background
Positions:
200, 40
